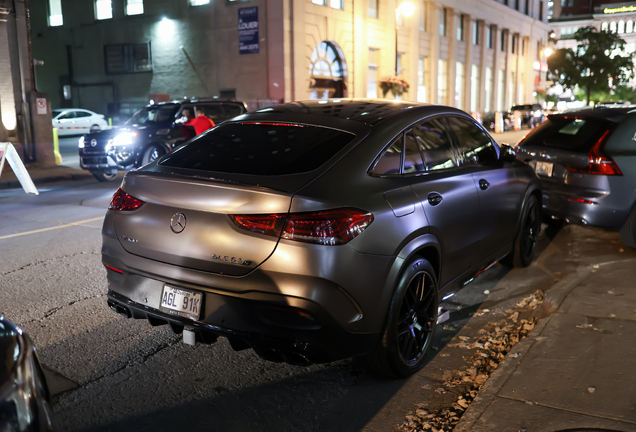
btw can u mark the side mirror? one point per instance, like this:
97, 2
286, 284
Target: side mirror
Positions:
508, 154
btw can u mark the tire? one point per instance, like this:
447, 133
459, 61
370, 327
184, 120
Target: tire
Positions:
95, 128
410, 324
102, 176
152, 153
525, 244
628, 230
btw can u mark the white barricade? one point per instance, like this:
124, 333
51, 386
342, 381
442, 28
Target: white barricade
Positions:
8, 153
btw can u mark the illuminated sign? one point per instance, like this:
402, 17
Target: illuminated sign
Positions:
538, 66
621, 9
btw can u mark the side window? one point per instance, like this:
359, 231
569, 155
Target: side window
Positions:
67, 115
79, 114
389, 163
232, 110
474, 147
413, 162
214, 111
435, 145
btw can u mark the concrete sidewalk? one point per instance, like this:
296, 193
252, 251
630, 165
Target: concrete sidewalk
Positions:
40, 176
576, 368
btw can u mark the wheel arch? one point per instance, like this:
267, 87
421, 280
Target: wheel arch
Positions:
426, 246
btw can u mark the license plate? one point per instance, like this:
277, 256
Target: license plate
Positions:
544, 168
182, 302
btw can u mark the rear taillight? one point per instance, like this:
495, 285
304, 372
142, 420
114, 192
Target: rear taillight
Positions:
123, 202
328, 227
600, 163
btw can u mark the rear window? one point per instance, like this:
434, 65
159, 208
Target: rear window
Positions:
260, 149
577, 134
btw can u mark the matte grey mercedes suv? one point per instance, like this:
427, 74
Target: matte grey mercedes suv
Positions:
316, 231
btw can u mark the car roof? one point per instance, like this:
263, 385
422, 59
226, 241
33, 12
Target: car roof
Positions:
615, 114
196, 101
367, 111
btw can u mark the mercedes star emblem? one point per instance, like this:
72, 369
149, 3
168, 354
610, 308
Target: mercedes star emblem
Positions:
178, 223
93, 142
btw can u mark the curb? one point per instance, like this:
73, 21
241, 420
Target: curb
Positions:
11, 184
554, 297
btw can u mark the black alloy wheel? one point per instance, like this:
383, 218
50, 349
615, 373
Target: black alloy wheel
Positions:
525, 245
415, 323
529, 234
153, 153
411, 323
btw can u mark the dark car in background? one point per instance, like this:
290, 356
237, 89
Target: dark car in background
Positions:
24, 395
319, 230
150, 133
489, 121
531, 114
586, 160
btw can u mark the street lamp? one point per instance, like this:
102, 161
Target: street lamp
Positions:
548, 52
405, 9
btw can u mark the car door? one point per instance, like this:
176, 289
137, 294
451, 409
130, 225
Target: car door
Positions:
65, 123
447, 193
500, 194
83, 121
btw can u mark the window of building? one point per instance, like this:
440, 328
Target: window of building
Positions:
422, 77
500, 89
621, 26
521, 97
514, 43
605, 26
442, 22
629, 27
442, 81
399, 63
55, 13
373, 9
511, 90
517, 4
488, 90
459, 85
337, 4
491, 36
423, 17
199, 2
503, 40
570, 3
320, 2
613, 26
540, 11
474, 88
539, 48
103, 9
527, 11
128, 58
372, 74
523, 46
460, 28
134, 7
475, 32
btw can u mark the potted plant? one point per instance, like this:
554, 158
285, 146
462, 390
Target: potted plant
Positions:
396, 84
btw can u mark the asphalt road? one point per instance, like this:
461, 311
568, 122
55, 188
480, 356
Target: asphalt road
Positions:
109, 373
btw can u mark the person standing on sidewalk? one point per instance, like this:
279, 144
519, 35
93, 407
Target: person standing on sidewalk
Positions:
201, 122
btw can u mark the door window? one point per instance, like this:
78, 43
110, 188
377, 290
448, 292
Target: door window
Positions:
413, 162
434, 144
67, 115
232, 110
79, 114
389, 163
214, 111
474, 146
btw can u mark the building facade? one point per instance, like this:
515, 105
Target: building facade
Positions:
113, 55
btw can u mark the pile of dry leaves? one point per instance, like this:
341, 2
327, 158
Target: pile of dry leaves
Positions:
496, 340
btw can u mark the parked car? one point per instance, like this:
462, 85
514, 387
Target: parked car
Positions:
319, 230
531, 114
587, 167
148, 134
24, 395
489, 121
75, 121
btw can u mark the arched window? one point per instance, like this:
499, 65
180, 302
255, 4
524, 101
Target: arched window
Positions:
629, 27
621, 26
613, 26
605, 26
327, 72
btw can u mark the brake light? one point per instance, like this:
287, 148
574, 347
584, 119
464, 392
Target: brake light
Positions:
123, 202
328, 227
600, 163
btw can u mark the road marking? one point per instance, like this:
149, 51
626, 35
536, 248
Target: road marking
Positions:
51, 228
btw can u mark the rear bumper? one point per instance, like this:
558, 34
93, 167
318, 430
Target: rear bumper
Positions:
275, 334
599, 207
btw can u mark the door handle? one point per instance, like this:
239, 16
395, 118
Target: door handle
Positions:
483, 184
434, 198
